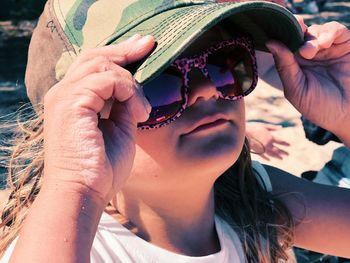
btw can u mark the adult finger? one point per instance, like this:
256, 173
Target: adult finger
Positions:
288, 68
103, 51
316, 38
94, 65
110, 129
94, 90
134, 106
335, 52
123, 53
339, 32
101, 64
311, 45
324, 36
105, 112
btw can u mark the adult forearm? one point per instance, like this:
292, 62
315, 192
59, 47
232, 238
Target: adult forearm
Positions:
60, 227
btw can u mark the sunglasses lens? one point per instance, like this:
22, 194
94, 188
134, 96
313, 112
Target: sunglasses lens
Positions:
165, 95
231, 70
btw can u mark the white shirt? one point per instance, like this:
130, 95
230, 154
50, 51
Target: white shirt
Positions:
115, 243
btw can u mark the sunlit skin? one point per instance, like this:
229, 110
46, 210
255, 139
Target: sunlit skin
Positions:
168, 195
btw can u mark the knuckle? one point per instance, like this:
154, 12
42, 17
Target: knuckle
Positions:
121, 73
128, 75
330, 24
120, 80
130, 80
333, 23
102, 63
114, 74
126, 79
113, 77
342, 27
335, 26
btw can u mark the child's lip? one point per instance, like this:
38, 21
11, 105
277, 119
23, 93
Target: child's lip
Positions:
207, 123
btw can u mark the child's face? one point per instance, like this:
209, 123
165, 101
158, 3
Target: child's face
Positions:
176, 152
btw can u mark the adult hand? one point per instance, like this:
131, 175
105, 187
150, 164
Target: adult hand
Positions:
83, 152
316, 80
263, 142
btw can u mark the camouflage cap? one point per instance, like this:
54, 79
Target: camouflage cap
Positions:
67, 27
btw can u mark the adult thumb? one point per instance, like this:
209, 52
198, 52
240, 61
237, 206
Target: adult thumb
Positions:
288, 68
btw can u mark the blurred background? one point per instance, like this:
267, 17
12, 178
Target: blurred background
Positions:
17, 21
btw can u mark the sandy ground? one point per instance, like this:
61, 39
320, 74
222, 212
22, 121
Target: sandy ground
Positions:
267, 104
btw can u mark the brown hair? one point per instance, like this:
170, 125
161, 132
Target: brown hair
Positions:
24, 160
239, 199
254, 213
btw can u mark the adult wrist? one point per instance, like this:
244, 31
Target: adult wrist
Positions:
60, 220
81, 196
76, 188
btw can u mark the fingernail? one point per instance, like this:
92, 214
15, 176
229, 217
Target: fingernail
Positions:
147, 105
271, 47
145, 39
145, 102
308, 50
133, 38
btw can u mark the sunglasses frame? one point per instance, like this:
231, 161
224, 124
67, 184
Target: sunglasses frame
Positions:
199, 61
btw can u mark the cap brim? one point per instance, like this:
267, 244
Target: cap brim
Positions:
176, 29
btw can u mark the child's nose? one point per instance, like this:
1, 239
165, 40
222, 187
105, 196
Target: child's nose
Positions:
201, 88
